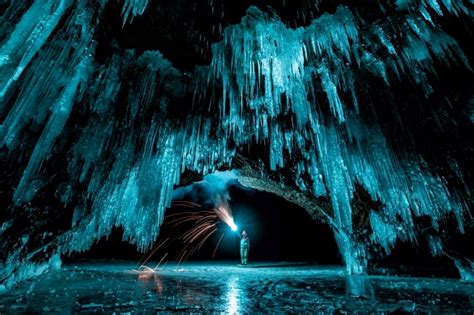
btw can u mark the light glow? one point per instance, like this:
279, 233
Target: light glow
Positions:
233, 226
224, 213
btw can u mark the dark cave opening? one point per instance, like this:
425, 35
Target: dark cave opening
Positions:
279, 231
407, 259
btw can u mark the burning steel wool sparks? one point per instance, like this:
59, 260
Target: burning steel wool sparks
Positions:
224, 213
204, 224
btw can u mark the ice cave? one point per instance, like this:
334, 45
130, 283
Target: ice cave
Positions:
245, 156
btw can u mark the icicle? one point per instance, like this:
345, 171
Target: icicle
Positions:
29, 35
60, 113
265, 77
132, 8
384, 233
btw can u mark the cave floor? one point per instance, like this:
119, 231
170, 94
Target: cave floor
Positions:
227, 288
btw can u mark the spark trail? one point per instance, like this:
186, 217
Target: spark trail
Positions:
204, 223
224, 213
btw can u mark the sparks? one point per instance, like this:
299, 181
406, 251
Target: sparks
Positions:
224, 213
204, 224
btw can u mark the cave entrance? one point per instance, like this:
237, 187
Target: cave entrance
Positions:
279, 230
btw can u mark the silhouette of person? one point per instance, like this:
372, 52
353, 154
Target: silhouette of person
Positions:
244, 247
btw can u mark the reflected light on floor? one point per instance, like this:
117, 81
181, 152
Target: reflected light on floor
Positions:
233, 295
152, 276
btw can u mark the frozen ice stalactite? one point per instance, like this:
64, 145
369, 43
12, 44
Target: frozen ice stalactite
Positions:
10, 16
27, 38
134, 191
137, 201
269, 62
439, 7
261, 62
47, 75
18, 268
466, 270
49, 95
436, 246
132, 8
53, 128
384, 234
292, 90
407, 190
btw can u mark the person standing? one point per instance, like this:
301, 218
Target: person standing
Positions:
244, 247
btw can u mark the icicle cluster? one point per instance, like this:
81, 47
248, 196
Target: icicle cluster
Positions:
137, 188
455, 7
27, 38
46, 96
295, 90
132, 8
267, 70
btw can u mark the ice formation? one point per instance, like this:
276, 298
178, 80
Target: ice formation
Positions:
292, 90
133, 8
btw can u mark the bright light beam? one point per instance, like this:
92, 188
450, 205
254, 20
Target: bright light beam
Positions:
233, 226
224, 213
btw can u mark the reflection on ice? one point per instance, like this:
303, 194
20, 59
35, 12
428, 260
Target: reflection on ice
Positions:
151, 277
359, 286
233, 295
225, 288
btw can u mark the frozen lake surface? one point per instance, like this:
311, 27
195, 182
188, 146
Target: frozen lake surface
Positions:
225, 287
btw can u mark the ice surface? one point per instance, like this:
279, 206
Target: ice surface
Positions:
292, 90
12, 272
225, 288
